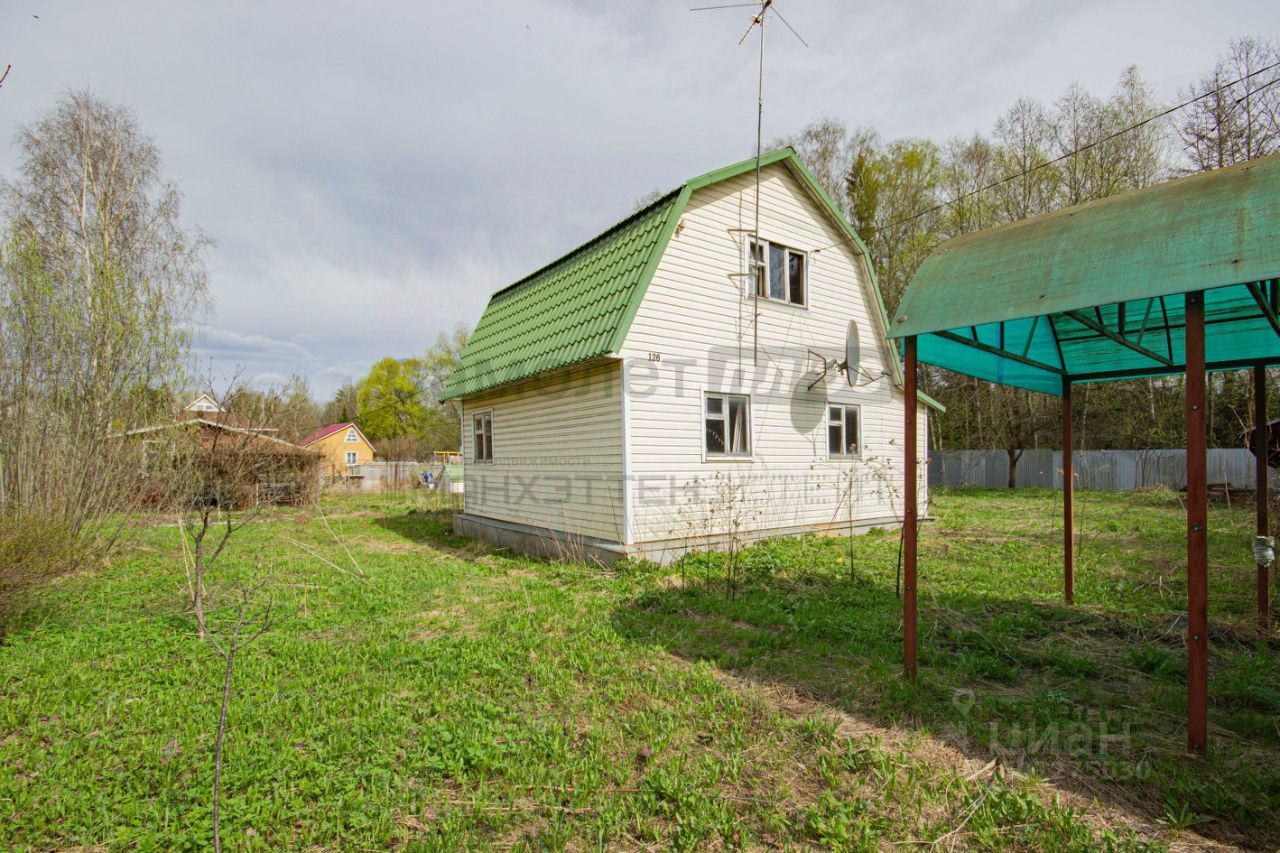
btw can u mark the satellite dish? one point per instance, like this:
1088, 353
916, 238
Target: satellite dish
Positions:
852, 353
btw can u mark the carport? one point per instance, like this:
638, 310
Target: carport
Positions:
1178, 278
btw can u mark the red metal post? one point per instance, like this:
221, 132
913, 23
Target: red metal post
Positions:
1197, 535
1261, 449
909, 511
1068, 501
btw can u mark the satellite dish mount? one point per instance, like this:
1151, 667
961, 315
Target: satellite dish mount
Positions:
851, 364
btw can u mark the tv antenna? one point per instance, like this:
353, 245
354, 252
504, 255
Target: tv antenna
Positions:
763, 9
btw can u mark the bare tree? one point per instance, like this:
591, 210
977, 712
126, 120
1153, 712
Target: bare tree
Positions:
1239, 116
99, 283
245, 627
217, 474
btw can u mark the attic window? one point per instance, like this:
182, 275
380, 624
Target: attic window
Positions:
351, 436
779, 273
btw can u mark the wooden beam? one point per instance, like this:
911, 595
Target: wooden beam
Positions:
1264, 305
1012, 356
1261, 450
1068, 501
1089, 323
909, 511
1197, 535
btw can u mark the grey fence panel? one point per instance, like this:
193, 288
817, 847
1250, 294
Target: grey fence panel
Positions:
1107, 470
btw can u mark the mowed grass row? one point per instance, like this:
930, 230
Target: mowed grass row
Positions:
425, 693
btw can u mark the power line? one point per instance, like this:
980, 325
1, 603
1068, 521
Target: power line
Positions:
1082, 148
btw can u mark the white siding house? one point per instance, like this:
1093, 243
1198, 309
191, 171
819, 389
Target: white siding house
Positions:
638, 398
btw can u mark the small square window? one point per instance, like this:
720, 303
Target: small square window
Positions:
727, 425
353, 458
844, 437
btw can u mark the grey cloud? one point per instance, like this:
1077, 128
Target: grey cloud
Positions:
371, 173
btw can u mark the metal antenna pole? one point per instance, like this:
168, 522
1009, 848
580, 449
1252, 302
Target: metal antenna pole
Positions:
762, 269
755, 235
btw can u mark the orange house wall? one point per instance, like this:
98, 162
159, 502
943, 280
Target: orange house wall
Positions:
335, 448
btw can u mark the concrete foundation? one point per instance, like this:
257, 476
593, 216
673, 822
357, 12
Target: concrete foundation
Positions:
546, 543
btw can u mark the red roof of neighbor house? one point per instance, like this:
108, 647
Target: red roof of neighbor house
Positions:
325, 431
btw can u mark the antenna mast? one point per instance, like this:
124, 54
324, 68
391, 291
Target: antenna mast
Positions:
755, 230
761, 269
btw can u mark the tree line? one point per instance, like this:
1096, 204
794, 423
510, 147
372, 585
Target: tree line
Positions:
396, 404
905, 197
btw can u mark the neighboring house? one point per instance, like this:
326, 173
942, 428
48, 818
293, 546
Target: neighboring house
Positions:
204, 403
205, 407
668, 385
343, 447
231, 464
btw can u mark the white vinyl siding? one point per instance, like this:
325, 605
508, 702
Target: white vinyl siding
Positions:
557, 452
693, 334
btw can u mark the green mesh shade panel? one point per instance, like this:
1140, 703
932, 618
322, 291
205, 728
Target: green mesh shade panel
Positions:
1095, 292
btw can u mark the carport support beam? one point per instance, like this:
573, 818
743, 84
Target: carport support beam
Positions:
1261, 454
1197, 535
1068, 501
910, 529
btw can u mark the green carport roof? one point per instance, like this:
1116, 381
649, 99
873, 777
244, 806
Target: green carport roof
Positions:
580, 306
1095, 291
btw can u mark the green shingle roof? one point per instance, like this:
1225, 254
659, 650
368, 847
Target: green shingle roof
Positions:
580, 306
568, 311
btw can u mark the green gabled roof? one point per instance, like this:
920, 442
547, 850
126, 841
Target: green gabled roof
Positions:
568, 311
581, 305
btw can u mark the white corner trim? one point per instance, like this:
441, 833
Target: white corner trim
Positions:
624, 393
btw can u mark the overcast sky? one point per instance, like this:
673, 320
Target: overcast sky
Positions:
371, 172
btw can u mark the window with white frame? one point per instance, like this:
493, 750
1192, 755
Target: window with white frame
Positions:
482, 436
352, 437
779, 273
353, 458
844, 431
727, 419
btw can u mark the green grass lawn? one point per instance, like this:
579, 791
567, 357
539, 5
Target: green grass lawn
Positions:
423, 692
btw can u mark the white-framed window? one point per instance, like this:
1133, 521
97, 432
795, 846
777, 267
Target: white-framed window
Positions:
779, 273
844, 431
726, 425
352, 436
482, 437
353, 458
